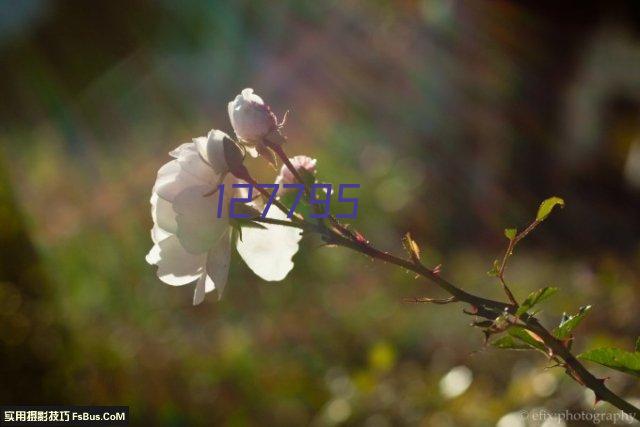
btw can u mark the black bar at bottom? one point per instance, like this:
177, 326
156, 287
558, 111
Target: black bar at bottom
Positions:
38, 415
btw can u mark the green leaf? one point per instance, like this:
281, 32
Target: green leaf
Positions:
615, 358
412, 247
638, 345
536, 298
547, 206
510, 233
526, 337
302, 208
518, 338
495, 269
569, 323
510, 343
241, 208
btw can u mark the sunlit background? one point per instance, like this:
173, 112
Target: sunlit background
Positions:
456, 118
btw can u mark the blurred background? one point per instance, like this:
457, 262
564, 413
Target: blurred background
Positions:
457, 119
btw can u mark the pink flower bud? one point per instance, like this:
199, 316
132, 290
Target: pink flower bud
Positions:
306, 166
251, 118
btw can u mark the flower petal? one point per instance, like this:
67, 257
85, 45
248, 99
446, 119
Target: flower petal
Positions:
153, 257
268, 252
249, 96
230, 107
163, 215
216, 270
193, 163
166, 174
192, 171
211, 149
198, 227
181, 150
176, 266
158, 234
199, 292
218, 262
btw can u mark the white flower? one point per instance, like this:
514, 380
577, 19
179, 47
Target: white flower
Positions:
303, 164
190, 242
252, 119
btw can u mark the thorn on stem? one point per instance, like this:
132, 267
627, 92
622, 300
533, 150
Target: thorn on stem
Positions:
472, 310
360, 238
436, 270
597, 400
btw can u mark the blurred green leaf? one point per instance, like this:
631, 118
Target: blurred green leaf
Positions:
302, 208
519, 338
535, 298
569, 323
495, 269
510, 233
412, 247
638, 345
510, 343
615, 358
527, 337
547, 206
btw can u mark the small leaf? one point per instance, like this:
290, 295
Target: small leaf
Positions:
243, 209
412, 247
569, 323
535, 298
510, 233
495, 269
615, 358
638, 345
303, 208
527, 337
308, 177
519, 339
547, 206
510, 343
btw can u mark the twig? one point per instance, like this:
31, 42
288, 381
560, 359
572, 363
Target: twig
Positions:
482, 307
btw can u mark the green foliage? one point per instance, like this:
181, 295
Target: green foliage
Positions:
495, 269
411, 247
510, 233
510, 343
535, 298
547, 206
569, 323
241, 208
518, 338
615, 358
638, 345
302, 208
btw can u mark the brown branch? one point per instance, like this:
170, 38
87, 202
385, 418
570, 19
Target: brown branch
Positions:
340, 235
491, 310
